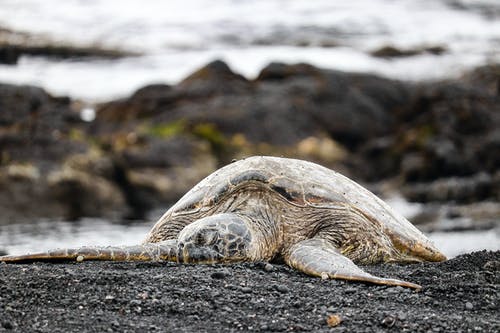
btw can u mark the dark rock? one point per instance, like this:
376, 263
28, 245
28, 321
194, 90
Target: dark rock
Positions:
393, 52
83, 194
35, 126
484, 78
161, 153
277, 71
8, 55
215, 77
465, 189
489, 10
446, 129
14, 44
285, 104
46, 166
36, 137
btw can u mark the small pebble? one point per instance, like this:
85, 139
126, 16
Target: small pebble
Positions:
324, 276
388, 321
7, 325
492, 265
268, 267
264, 327
350, 290
469, 306
333, 320
402, 316
246, 290
79, 258
281, 288
218, 275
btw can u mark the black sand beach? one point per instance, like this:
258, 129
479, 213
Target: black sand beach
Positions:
459, 295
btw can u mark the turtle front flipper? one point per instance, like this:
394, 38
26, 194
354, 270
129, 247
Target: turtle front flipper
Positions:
219, 238
165, 250
319, 257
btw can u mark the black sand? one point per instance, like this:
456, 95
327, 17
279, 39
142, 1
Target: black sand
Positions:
460, 295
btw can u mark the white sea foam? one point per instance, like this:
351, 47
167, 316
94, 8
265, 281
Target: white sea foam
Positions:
177, 36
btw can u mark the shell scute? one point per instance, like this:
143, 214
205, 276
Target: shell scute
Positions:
249, 175
319, 196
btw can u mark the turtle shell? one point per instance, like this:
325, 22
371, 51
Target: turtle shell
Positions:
300, 182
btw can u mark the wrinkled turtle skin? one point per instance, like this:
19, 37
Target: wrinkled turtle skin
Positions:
268, 208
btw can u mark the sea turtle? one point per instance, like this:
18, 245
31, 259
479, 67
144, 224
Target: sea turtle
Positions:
269, 208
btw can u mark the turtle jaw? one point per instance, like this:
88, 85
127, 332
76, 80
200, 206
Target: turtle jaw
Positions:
197, 255
427, 252
412, 250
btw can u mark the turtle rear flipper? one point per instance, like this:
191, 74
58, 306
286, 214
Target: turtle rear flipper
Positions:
319, 257
146, 252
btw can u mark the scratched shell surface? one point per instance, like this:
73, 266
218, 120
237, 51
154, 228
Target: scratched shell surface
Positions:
300, 182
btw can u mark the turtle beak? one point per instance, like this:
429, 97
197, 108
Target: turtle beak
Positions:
426, 252
417, 250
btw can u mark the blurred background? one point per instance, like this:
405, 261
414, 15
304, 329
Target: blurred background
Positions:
111, 110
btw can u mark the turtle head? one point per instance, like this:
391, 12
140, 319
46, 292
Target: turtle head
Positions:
415, 248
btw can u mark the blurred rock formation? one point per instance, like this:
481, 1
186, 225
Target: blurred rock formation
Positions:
436, 141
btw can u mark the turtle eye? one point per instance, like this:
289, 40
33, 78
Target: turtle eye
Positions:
205, 237
199, 238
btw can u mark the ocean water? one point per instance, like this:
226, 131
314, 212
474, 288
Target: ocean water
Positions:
177, 36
